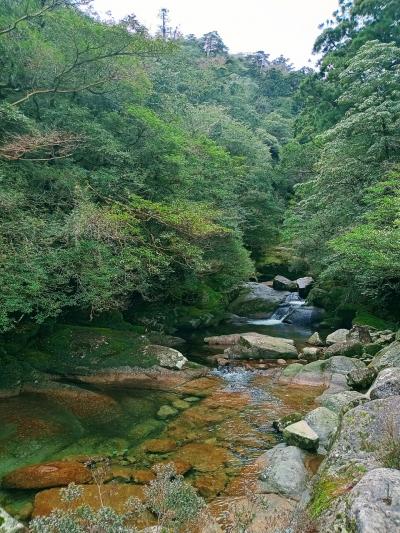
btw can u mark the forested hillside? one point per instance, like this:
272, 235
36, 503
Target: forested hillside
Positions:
153, 174
344, 217
133, 168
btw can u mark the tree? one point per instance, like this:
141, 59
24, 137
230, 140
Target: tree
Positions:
212, 44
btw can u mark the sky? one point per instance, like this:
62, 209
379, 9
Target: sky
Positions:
287, 27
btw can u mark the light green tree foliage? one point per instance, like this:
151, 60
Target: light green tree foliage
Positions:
132, 168
354, 154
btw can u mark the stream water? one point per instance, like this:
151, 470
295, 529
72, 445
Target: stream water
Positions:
221, 423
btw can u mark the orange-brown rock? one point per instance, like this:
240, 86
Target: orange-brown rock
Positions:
180, 467
210, 485
160, 445
204, 457
55, 474
113, 495
201, 387
143, 476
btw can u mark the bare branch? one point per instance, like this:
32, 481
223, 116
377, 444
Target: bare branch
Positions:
29, 16
47, 146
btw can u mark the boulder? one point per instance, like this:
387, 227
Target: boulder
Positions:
301, 435
361, 378
342, 401
160, 446
340, 335
257, 298
304, 315
285, 421
315, 340
310, 353
373, 505
387, 384
280, 283
348, 349
167, 357
257, 346
365, 441
359, 334
46, 475
325, 423
283, 472
342, 365
387, 357
8, 524
304, 284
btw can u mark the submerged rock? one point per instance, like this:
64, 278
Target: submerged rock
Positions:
166, 411
302, 435
387, 384
283, 472
257, 298
46, 475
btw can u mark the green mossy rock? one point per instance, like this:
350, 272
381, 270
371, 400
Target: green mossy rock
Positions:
287, 420
166, 411
79, 350
301, 435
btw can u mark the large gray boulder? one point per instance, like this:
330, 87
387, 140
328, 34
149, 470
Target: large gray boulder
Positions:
256, 298
388, 357
300, 434
341, 402
305, 284
374, 503
283, 471
361, 379
387, 384
257, 346
310, 353
347, 348
365, 441
325, 423
340, 335
280, 283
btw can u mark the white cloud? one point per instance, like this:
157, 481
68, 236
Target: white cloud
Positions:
287, 27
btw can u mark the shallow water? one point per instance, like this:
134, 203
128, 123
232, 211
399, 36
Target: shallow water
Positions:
224, 427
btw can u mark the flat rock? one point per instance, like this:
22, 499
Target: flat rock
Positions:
283, 472
202, 456
257, 346
387, 357
387, 384
287, 420
223, 340
325, 423
340, 335
302, 435
45, 475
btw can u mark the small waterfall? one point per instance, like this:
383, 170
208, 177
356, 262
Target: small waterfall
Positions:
283, 312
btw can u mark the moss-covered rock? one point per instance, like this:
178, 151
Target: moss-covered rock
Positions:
287, 420
80, 349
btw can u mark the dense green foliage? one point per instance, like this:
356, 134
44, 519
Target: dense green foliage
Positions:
344, 218
132, 168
